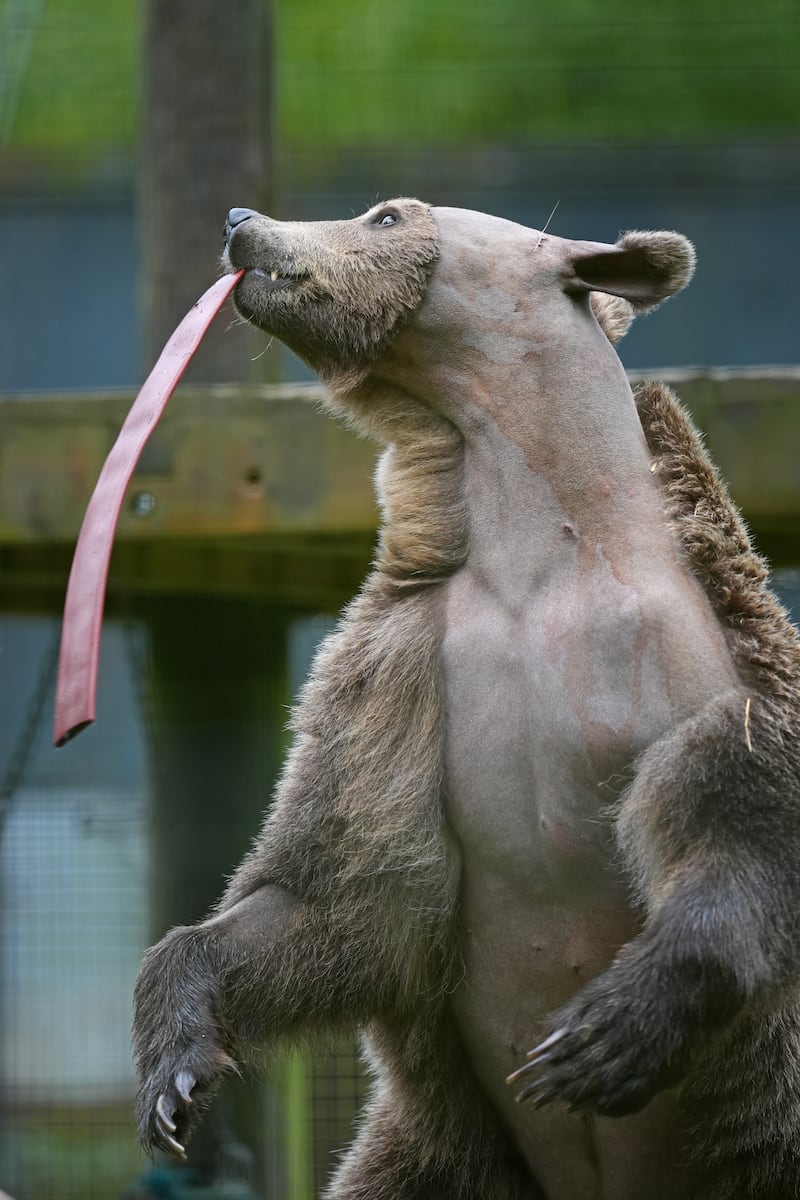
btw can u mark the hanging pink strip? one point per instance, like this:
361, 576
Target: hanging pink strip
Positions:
83, 607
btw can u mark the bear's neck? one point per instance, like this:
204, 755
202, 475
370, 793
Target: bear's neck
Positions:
419, 481
544, 481
554, 461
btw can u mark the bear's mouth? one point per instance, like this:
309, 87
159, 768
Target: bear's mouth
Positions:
275, 279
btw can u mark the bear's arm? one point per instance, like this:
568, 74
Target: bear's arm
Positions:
342, 910
709, 828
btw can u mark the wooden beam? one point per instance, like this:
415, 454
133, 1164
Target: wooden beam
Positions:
751, 420
224, 462
251, 490
205, 148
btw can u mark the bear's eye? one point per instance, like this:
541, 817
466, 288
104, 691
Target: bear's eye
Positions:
386, 218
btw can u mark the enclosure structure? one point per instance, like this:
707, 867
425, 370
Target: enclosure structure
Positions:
250, 521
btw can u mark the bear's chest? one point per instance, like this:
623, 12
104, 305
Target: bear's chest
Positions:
546, 706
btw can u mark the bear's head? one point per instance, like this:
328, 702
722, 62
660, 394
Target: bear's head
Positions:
336, 292
339, 292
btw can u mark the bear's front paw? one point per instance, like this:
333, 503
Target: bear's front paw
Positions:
173, 1095
178, 1042
609, 1052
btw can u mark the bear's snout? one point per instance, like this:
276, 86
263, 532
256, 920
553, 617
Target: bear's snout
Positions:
234, 218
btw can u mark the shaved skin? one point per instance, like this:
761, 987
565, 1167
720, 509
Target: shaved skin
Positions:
571, 644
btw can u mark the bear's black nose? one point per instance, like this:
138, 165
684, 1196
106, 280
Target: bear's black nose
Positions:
235, 217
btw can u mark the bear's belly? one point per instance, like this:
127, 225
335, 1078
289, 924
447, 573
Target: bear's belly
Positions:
519, 964
545, 715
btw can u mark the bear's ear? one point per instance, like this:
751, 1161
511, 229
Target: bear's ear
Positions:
643, 268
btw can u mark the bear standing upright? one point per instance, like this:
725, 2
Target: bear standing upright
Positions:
544, 788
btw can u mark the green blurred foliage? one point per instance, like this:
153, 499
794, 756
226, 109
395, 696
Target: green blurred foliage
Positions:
73, 1151
360, 73
356, 71
76, 90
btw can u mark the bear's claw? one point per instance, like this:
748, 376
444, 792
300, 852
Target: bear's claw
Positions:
612, 1048
166, 1108
164, 1116
165, 1127
545, 1052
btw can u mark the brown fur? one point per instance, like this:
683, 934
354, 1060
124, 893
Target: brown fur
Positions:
614, 314
345, 914
423, 534
360, 294
744, 1085
714, 538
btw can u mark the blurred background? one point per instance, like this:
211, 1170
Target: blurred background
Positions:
127, 130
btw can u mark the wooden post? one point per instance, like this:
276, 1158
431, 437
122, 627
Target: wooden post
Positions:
205, 148
217, 695
216, 665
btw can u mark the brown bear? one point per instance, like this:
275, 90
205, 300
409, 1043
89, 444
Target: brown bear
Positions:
545, 776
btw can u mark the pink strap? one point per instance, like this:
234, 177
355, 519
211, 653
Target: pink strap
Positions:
83, 607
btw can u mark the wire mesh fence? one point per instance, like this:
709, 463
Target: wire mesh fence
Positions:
683, 116
75, 874
72, 929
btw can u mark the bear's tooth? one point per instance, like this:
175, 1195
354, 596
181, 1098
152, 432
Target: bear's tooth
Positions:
273, 276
